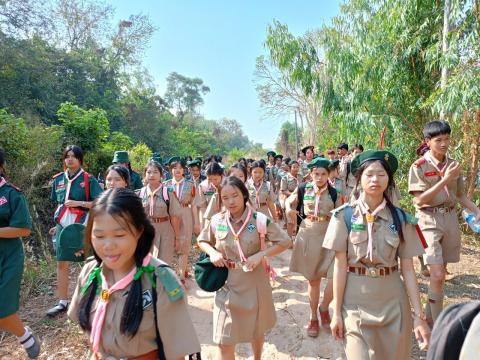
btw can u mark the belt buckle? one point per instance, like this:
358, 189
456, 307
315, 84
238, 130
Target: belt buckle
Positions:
372, 272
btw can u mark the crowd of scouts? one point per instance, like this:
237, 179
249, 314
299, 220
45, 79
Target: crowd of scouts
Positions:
338, 211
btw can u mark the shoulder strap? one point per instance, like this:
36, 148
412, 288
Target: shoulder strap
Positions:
333, 193
143, 190
349, 169
87, 185
301, 194
347, 216
158, 339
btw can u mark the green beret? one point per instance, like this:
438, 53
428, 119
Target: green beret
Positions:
120, 157
374, 155
305, 148
334, 164
271, 153
279, 156
194, 163
174, 159
319, 163
156, 157
208, 276
69, 242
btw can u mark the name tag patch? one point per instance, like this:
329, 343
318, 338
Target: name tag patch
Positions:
147, 299
3, 200
222, 227
359, 227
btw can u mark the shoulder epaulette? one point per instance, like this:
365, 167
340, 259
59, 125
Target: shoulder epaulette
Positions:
170, 283
15, 187
268, 219
410, 218
57, 175
338, 209
420, 162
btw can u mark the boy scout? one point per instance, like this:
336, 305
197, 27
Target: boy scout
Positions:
437, 185
196, 175
73, 191
121, 158
15, 222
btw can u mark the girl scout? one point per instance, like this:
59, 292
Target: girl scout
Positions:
117, 177
123, 276
120, 158
437, 185
261, 192
15, 222
288, 184
184, 191
243, 309
163, 210
307, 151
206, 189
372, 311
308, 256
334, 180
73, 191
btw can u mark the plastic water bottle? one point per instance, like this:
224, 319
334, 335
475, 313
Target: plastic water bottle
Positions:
470, 220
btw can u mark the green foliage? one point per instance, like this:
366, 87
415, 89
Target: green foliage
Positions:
88, 129
139, 156
118, 141
13, 136
184, 94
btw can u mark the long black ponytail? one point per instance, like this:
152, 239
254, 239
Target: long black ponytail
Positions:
125, 205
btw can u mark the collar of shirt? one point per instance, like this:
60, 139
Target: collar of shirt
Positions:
242, 218
436, 162
364, 209
151, 192
175, 182
71, 176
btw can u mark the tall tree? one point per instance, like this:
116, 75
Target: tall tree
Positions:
184, 94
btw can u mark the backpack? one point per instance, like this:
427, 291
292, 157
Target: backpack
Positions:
301, 192
165, 196
450, 330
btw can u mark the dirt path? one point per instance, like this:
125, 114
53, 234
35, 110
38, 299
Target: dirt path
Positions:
288, 340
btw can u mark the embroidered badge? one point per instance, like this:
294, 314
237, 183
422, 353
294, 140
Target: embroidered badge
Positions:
251, 227
82, 184
147, 299
61, 182
3, 200
393, 229
431, 173
222, 227
359, 227
354, 218
307, 198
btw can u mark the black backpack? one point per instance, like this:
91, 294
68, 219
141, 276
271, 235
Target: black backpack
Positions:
450, 330
301, 192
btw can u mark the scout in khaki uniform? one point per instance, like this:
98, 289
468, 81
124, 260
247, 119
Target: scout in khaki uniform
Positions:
196, 176
184, 190
288, 184
15, 222
334, 180
270, 168
123, 276
261, 192
307, 151
317, 198
436, 182
117, 177
372, 312
163, 210
121, 158
206, 190
73, 191
243, 309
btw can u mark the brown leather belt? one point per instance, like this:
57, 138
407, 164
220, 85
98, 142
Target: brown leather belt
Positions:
152, 355
185, 205
439, 209
233, 264
159, 219
263, 204
372, 271
318, 218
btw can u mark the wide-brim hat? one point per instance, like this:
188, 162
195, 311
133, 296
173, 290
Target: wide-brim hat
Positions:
69, 242
305, 148
194, 163
120, 157
208, 276
387, 156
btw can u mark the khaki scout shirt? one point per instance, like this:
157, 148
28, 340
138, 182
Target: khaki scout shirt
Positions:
387, 246
186, 187
160, 208
219, 235
289, 183
204, 192
265, 194
174, 323
423, 176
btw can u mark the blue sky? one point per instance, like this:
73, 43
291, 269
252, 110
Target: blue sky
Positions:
218, 41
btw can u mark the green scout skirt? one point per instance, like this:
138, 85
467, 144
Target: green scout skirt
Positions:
11, 271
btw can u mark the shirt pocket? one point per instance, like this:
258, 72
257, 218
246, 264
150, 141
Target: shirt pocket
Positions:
389, 246
60, 194
359, 242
